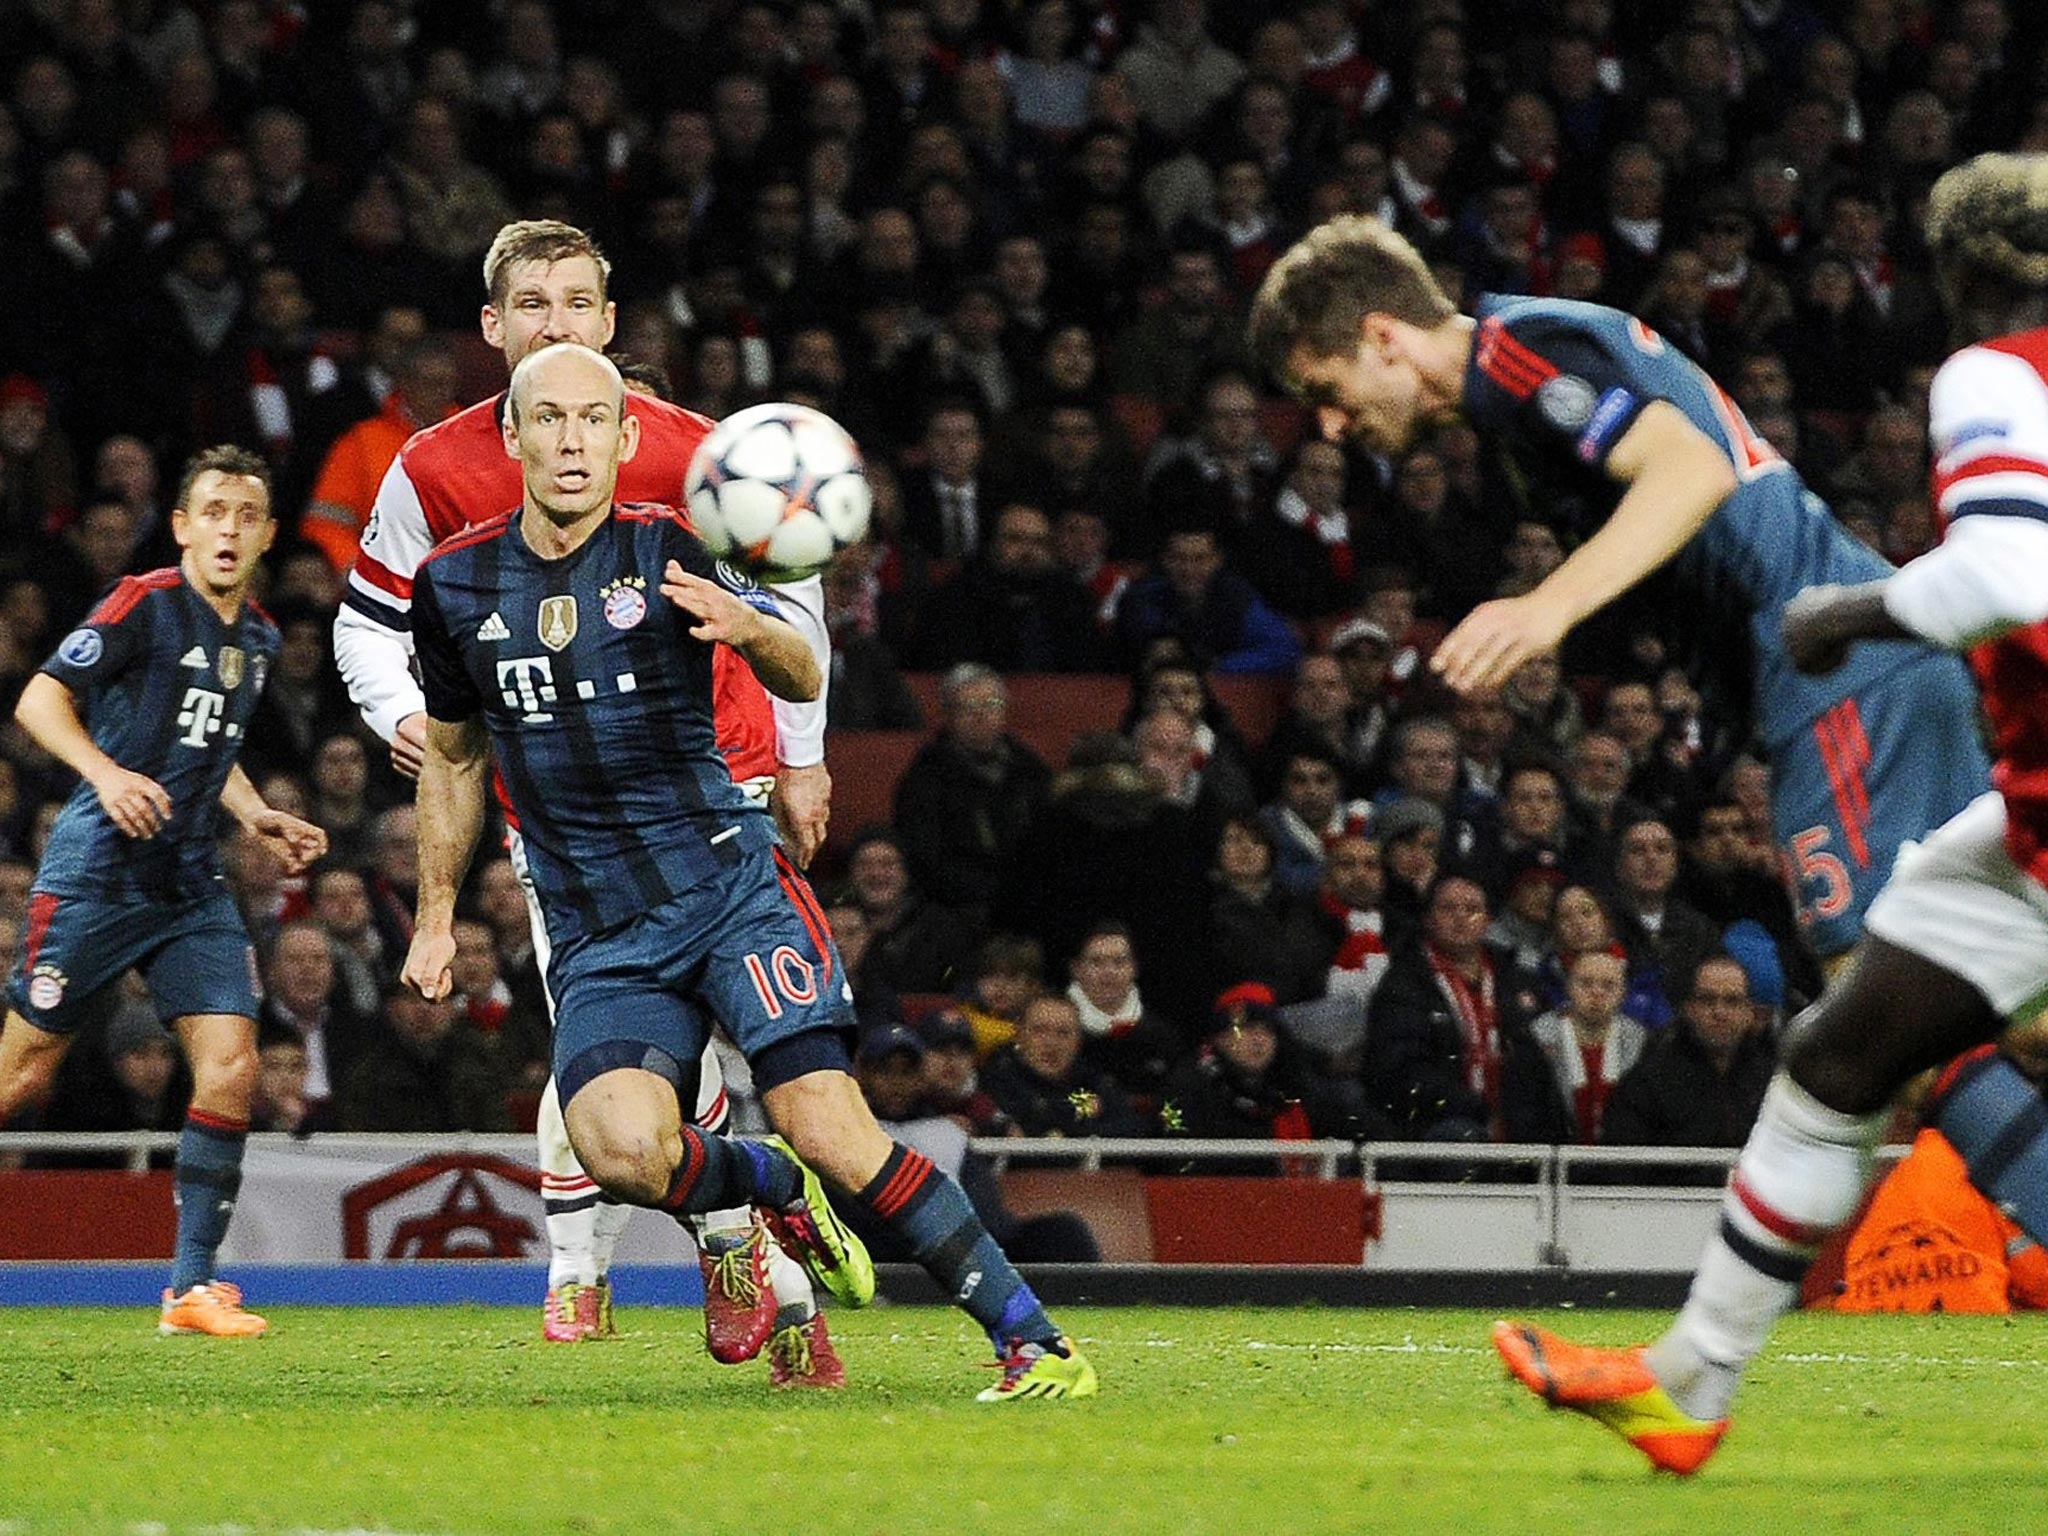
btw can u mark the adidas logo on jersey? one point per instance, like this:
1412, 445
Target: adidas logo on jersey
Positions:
196, 657
493, 628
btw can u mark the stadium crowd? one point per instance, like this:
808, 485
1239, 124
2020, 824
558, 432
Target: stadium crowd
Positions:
1009, 245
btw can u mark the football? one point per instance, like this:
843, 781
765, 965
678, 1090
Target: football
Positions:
777, 490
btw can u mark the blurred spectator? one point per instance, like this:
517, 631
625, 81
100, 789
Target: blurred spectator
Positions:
394, 876
1044, 1084
1727, 879
1318, 719
424, 1069
951, 1083
1176, 70
1258, 929
137, 1081
1582, 1051
913, 946
1349, 900
303, 1001
1013, 608
1600, 806
1118, 1035
501, 902
1246, 1083
1111, 843
345, 489
1212, 611
305, 707
866, 691
1548, 722
1433, 1043
1309, 814
1701, 1083
1167, 680
453, 207
282, 1075
1191, 335
944, 507
485, 1004
1657, 928
341, 801
1007, 972
967, 799
341, 906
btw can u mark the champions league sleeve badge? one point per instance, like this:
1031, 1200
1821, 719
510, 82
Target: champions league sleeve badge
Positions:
82, 647
1567, 402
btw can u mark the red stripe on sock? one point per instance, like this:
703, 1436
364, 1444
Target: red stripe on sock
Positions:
909, 1179
1779, 1225
687, 1172
217, 1122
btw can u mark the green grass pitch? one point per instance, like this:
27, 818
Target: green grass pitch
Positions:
1296, 1421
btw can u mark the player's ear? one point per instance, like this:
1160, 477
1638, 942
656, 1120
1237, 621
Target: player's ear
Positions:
181, 527
629, 436
611, 323
508, 429
492, 326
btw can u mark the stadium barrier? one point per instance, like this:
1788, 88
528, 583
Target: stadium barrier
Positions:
1387, 1208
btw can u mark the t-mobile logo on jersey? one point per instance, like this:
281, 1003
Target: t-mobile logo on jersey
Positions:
527, 683
199, 716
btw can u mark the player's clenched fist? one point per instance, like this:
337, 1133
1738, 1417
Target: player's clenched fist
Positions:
427, 964
134, 802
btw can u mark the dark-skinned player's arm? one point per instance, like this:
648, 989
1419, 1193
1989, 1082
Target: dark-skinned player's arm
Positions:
1988, 576
1676, 477
778, 653
454, 793
134, 802
297, 843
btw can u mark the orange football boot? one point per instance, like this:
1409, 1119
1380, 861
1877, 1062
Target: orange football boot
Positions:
1612, 1387
215, 1308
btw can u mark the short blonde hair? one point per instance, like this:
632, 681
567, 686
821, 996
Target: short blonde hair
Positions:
1987, 228
1318, 295
544, 240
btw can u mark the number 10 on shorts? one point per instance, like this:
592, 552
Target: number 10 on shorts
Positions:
784, 972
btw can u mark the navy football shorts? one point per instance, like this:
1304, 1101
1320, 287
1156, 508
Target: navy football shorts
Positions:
195, 955
748, 949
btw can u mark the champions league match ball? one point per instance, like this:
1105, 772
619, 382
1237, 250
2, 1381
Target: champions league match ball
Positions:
778, 490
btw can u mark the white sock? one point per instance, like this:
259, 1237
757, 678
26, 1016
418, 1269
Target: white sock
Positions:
1801, 1175
795, 1301
610, 1220
569, 1196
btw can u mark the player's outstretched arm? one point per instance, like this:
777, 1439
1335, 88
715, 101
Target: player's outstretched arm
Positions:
298, 843
802, 798
779, 655
1676, 476
134, 802
454, 790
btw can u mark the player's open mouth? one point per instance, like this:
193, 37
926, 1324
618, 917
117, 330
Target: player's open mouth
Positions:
571, 479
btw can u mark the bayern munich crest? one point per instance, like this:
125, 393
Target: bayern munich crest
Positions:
625, 605
45, 988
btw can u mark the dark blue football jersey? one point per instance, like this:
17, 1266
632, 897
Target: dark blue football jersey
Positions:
166, 689
598, 702
1555, 384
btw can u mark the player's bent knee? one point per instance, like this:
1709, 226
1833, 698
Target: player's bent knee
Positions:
226, 1078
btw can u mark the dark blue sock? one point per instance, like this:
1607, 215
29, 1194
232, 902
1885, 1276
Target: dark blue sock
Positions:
209, 1175
719, 1172
929, 1211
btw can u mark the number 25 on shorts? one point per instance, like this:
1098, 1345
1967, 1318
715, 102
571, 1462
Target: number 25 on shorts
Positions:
1813, 865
